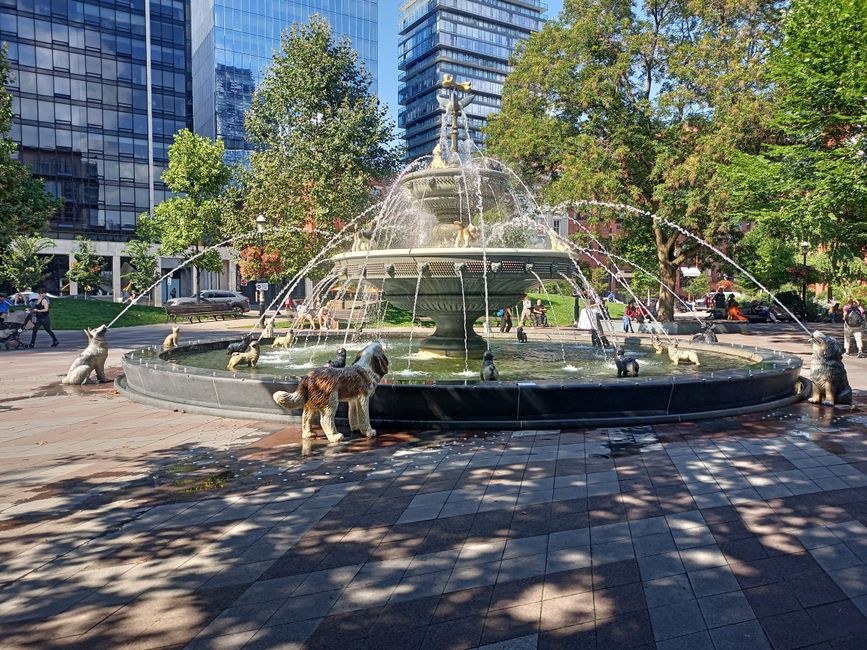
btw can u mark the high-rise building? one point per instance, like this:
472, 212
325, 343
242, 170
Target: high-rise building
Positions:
99, 89
470, 39
233, 44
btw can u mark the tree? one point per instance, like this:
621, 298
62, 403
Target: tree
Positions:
87, 267
321, 140
25, 206
639, 103
144, 263
810, 183
768, 255
194, 218
698, 286
23, 265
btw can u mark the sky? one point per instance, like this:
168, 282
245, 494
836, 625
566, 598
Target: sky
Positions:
389, 11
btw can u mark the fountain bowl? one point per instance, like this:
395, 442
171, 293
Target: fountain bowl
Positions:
773, 381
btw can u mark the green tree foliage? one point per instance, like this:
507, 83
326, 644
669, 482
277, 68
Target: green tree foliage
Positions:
698, 286
144, 265
23, 264
811, 183
87, 267
768, 255
195, 218
639, 102
321, 139
25, 206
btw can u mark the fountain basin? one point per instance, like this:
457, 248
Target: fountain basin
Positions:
510, 275
770, 380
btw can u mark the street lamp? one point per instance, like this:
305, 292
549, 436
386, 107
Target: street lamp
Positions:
805, 246
260, 229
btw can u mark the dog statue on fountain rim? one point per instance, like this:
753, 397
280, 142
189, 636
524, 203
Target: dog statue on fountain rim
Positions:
322, 389
171, 341
248, 358
284, 342
361, 240
91, 359
827, 372
467, 234
674, 354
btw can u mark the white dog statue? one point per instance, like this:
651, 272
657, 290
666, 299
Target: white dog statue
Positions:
93, 358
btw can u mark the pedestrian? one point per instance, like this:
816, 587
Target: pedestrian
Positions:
539, 314
42, 318
526, 311
629, 313
506, 321
719, 299
853, 326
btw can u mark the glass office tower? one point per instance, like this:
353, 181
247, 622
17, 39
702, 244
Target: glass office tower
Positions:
95, 107
233, 42
469, 39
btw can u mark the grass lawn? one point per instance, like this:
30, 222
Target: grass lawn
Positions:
74, 314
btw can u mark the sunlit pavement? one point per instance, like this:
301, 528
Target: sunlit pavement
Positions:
125, 525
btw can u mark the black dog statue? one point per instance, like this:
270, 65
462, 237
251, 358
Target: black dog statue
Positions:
626, 366
340, 361
828, 373
707, 335
489, 370
522, 335
240, 346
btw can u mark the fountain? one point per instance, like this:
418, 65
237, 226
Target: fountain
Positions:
455, 240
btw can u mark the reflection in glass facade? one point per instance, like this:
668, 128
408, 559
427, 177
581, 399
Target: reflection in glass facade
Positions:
469, 39
233, 42
80, 98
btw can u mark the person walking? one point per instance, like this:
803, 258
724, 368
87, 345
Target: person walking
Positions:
853, 327
42, 318
629, 313
526, 311
506, 321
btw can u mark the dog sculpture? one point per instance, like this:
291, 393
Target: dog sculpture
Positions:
522, 335
91, 359
240, 346
340, 361
284, 342
322, 389
361, 240
489, 370
557, 242
707, 335
268, 330
467, 234
674, 354
171, 341
626, 366
827, 372
248, 358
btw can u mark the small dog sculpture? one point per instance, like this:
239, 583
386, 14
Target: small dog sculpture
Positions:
489, 370
707, 335
522, 335
557, 242
361, 240
240, 346
626, 366
171, 341
828, 373
322, 389
284, 342
676, 355
467, 234
248, 358
268, 330
91, 359
340, 361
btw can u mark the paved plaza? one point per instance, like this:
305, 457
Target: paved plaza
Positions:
123, 525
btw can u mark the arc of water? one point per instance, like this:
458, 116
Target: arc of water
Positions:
412, 321
553, 311
464, 305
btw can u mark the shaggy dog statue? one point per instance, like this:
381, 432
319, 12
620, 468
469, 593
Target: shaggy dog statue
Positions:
93, 358
489, 370
626, 366
522, 335
268, 331
707, 334
676, 355
239, 346
339, 361
361, 240
248, 358
322, 389
828, 373
171, 341
284, 342
466, 235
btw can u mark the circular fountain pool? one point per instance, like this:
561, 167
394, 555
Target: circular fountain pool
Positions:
538, 388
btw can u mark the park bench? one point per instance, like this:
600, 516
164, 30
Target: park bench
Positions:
198, 310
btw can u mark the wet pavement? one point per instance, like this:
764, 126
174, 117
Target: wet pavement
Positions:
125, 525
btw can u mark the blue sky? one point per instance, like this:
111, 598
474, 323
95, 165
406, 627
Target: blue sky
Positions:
389, 11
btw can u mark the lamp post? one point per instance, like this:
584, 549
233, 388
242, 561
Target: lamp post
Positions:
805, 246
260, 229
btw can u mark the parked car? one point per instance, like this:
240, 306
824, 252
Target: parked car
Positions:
238, 301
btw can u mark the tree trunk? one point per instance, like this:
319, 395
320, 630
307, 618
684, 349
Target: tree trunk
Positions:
667, 275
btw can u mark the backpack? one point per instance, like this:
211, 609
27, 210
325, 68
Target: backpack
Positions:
854, 318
